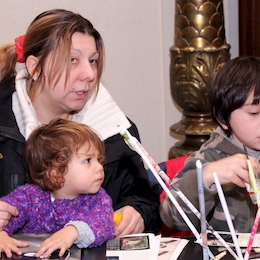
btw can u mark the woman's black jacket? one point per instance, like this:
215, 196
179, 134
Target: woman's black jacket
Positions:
125, 181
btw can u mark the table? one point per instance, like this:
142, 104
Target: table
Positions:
194, 251
191, 251
97, 253
34, 241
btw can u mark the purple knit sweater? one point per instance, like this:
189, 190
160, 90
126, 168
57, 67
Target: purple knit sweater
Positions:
38, 214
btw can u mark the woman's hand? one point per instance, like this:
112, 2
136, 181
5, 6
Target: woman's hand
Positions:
131, 222
62, 240
6, 212
233, 169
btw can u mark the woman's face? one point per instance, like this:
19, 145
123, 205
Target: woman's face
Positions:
82, 80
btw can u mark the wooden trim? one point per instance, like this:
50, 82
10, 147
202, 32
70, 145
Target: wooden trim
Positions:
249, 27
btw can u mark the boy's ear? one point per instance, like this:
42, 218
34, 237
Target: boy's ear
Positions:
224, 126
31, 63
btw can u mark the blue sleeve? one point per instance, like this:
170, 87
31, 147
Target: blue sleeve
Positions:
86, 235
99, 218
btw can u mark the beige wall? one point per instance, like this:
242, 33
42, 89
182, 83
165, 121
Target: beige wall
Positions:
137, 36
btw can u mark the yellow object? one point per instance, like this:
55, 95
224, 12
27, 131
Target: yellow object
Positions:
118, 217
253, 182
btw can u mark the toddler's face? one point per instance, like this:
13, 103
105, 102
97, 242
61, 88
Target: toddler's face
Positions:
85, 174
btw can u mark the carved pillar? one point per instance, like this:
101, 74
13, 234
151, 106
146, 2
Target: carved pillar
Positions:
199, 50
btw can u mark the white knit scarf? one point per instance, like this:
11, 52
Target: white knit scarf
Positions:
102, 113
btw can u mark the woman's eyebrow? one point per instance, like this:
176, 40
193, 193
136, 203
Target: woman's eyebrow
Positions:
80, 52
76, 50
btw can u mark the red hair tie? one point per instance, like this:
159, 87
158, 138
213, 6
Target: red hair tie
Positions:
19, 49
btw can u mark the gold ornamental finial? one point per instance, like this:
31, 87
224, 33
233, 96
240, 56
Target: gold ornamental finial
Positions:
199, 50
199, 24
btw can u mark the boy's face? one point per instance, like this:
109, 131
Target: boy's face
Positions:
245, 124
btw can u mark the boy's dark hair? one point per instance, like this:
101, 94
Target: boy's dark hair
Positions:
231, 86
49, 149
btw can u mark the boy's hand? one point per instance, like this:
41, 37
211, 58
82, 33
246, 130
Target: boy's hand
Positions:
232, 169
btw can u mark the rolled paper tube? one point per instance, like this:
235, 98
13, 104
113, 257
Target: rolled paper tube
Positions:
227, 215
202, 210
252, 236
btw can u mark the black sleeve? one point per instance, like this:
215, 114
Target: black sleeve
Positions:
126, 181
12, 172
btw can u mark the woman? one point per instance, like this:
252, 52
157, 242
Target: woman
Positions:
63, 56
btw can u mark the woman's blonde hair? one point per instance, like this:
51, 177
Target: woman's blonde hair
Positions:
7, 61
51, 32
